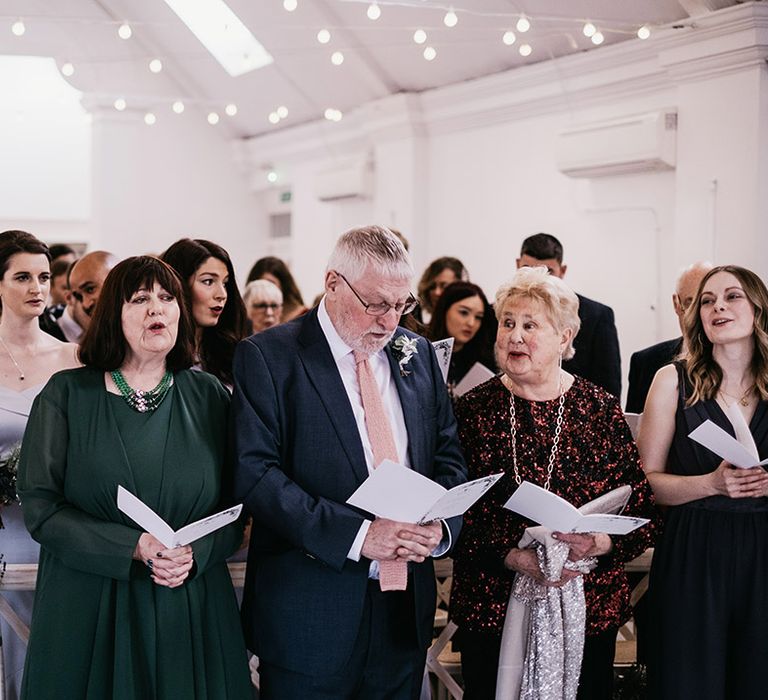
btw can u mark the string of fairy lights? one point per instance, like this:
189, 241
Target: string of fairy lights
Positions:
513, 30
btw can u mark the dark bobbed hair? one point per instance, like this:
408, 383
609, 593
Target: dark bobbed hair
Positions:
427, 281
217, 345
104, 345
543, 246
277, 268
703, 371
480, 348
14, 242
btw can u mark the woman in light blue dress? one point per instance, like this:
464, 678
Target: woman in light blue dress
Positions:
28, 358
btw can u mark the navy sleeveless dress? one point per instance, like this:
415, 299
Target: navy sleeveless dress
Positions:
709, 578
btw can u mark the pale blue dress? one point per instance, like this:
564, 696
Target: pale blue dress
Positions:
16, 544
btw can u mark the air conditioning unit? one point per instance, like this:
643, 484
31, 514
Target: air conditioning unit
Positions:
352, 179
631, 144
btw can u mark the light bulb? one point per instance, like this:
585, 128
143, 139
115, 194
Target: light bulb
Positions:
274, 117
598, 38
290, 5
323, 36
419, 36
149, 119
178, 107
230, 109
120, 104
213, 118
155, 65
525, 50
67, 69
451, 19
589, 29
644, 32
124, 31
430, 53
272, 177
374, 11
337, 58
18, 28
523, 24
282, 111
509, 38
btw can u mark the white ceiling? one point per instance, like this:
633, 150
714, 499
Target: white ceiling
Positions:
380, 57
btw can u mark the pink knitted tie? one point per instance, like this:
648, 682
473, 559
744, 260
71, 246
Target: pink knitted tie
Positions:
393, 575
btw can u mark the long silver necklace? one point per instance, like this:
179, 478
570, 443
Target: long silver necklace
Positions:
13, 359
555, 442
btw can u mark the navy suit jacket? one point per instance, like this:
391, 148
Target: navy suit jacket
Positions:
597, 355
299, 457
643, 366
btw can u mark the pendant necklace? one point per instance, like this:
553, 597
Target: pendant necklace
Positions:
555, 442
13, 359
743, 400
142, 401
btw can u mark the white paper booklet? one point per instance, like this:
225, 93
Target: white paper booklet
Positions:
143, 515
478, 373
395, 492
740, 451
555, 513
444, 350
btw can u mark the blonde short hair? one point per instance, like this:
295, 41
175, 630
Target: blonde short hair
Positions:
263, 290
560, 303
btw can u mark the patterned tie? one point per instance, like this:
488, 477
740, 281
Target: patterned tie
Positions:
393, 575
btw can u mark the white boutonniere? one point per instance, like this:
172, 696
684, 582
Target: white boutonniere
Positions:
404, 348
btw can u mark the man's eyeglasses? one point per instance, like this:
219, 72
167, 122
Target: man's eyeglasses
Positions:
382, 308
267, 307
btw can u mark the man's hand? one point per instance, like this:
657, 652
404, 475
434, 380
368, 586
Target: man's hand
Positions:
393, 540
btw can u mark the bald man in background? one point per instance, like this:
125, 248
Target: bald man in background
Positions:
644, 364
86, 278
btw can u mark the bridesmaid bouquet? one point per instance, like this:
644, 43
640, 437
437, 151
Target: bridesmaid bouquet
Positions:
8, 466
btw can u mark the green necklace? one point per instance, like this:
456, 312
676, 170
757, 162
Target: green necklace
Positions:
142, 401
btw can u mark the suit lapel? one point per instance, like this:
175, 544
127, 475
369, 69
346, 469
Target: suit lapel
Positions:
321, 369
412, 412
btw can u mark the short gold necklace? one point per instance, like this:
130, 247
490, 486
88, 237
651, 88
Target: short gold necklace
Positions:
13, 359
743, 400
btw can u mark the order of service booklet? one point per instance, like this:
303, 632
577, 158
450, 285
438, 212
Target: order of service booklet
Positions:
143, 515
555, 513
444, 350
740, 451
395, 492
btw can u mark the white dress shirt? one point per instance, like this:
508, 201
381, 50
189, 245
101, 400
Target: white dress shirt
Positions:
69, 327
343, 356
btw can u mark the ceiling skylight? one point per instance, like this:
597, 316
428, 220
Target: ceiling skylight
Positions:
223, 34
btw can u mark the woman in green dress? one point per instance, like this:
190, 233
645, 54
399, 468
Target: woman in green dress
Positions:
117, 614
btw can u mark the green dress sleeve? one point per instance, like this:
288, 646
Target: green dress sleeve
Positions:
216, 547
80, 540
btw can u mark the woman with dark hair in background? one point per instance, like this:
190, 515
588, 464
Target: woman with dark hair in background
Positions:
118, 613
438, 275
28, 358
214, 300
277, 272
464, 314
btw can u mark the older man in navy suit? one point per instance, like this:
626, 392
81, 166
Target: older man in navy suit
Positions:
317, 403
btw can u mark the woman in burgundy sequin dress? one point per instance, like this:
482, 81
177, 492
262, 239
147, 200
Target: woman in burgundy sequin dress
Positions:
538, 319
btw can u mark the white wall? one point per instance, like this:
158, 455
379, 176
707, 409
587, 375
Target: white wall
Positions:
469, 170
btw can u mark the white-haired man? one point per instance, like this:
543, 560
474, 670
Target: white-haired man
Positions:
337, 603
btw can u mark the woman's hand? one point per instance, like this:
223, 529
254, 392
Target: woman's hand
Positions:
735, 482
170, 567
585, 544
526, 562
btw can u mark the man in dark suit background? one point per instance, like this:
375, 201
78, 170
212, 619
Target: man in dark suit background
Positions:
305, 439
644, 364
597, 355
